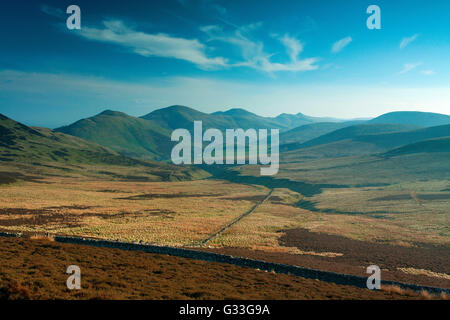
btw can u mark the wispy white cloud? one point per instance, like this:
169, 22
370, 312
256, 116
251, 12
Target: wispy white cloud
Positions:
158, 45
428, 72
293, 46
253, 53
220, 9
409, 67
52, 11
338, 46
406, 41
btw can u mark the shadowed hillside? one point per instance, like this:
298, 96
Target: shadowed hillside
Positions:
426, 146
356, 131
44, 151
360, 140
311, 131
423, 119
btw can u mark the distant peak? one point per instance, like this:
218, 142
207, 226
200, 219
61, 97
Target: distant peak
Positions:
177, 108
172, 110
237, 111
111, 113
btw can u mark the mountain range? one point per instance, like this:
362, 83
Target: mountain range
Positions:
117, 138
148, 137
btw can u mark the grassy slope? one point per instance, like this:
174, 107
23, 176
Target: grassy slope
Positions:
21, 143
356, 131
360, 140
369, 159
426, 146
423, 119
127, 135
148, 137
396, 139
32, 148
311, 131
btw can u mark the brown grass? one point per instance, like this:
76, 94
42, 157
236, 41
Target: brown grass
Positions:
168, 213
186, 213
35, 269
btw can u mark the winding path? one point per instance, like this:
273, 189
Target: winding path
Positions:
204, 242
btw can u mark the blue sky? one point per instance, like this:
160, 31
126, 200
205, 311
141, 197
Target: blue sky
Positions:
270, 57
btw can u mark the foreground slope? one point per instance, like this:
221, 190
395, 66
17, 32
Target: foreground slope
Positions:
35, 269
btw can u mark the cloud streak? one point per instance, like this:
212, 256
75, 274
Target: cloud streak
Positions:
406, 41
428, 72
409, 67
52, 11
338, 46
193, 51
156, 45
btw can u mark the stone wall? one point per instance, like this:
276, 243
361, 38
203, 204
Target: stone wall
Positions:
326, 276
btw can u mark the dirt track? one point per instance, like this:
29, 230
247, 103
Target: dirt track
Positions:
238, 219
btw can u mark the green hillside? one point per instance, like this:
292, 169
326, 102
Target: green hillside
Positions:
244, 119
44, 151
310, 131
397, 139
348, 142
426, 146
21, 143
422, 119
350, 132
148, 137
175, 117
130, 136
